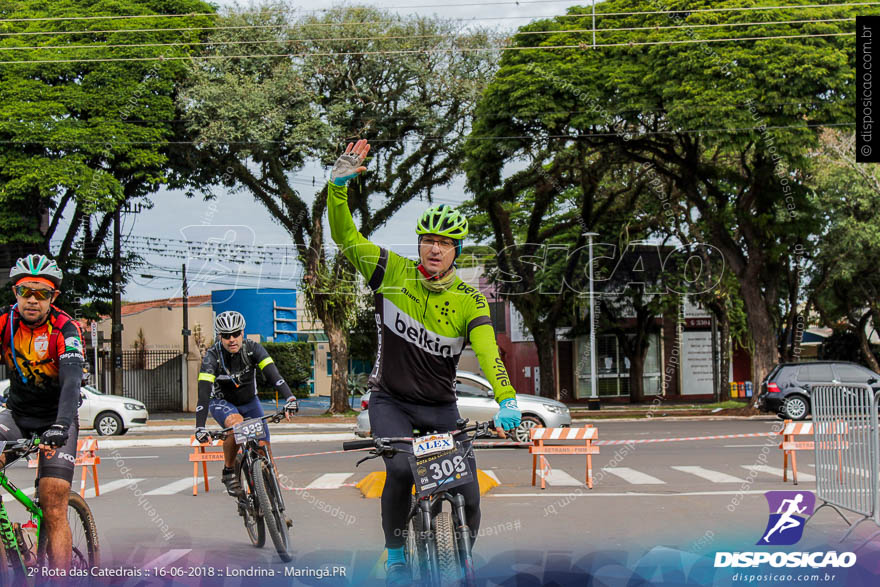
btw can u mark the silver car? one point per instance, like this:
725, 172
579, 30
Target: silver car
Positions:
476, 402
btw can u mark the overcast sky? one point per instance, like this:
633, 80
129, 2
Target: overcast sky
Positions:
176, 217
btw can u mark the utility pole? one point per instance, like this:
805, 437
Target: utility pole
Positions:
116, 330
186, 331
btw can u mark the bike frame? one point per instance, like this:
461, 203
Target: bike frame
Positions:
8, 534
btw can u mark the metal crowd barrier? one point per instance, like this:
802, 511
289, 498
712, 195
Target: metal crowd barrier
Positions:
847, 450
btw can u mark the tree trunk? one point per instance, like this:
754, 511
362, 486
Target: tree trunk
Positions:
760, 325
339, 358
636, 381
865, 344
724, 367
545, 339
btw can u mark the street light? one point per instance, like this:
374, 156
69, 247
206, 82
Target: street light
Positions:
594, 398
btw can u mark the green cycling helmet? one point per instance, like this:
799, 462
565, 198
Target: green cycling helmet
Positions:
443, 220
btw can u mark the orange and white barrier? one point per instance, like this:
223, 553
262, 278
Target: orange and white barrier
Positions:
200, 455
86, 457
790, 445
539, 450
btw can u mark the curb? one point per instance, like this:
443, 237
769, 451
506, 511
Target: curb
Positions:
372, 485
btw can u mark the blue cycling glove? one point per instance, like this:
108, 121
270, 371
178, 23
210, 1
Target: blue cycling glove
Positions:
345, 168
509, 416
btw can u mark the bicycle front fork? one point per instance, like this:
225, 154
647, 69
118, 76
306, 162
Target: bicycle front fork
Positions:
465, 540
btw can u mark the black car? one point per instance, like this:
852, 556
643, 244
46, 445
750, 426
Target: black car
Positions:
786, 390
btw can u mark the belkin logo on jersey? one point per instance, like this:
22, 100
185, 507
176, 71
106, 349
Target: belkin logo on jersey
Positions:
421, 337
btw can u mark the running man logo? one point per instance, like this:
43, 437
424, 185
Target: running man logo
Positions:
789, 511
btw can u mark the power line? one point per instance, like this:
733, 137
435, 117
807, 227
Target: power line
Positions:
466, 4
486, 138
418, 116
395, 22
582, 46
408, 37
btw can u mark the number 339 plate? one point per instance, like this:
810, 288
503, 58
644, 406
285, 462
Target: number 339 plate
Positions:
254, 428
440, 471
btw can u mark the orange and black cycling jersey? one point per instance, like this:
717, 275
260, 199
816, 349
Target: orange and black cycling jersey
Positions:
44, 364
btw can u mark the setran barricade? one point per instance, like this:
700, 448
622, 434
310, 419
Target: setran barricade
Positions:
846, 447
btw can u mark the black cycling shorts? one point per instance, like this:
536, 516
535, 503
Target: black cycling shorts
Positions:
54, 462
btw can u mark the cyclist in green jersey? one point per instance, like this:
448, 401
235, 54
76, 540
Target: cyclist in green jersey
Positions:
425, 314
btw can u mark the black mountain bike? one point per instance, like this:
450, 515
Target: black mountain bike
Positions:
24, 547
438, 544
260, 503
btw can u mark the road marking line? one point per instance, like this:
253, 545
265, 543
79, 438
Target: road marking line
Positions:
329, 481
276, 439
174, 487
633, 476
744, 445
560, 478
709, 474
777, 472
112, 486
627, 494
113, 458
167, 558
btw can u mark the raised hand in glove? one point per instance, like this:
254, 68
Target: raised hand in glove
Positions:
350, 163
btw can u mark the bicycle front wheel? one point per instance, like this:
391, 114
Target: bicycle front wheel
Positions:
270, 502
448, 565
84, 533
248, 507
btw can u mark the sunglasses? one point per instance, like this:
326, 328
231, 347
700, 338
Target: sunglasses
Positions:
25, 292
228, 335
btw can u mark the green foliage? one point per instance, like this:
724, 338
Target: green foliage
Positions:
559, 110
81, 129
363, 342
293, 360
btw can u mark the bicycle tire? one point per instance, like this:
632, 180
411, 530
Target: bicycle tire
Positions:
12, 575
275, 524
448, 565
84, 535
253, 523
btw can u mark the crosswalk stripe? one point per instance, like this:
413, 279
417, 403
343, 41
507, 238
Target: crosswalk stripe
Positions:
559, 477
633, 476
174, 487
112, 486
329, 481
709, 474
777, 472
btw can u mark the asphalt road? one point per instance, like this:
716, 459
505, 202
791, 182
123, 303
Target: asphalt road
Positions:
695, 495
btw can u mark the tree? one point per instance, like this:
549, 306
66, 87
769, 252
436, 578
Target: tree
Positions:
729, 123
537, 220
389, 80
845, 287
81, 130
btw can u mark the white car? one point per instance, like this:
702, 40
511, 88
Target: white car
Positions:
476, 402
107, 414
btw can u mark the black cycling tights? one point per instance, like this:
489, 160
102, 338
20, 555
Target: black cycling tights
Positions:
393, 417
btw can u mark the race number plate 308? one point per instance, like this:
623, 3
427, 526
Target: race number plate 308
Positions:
440, 471
254, 428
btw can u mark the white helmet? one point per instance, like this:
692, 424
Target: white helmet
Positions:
227, 322
36, 266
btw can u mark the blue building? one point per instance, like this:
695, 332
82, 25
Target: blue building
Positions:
269, 312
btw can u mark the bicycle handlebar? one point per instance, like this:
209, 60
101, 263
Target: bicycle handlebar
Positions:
221, 434
382, 443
